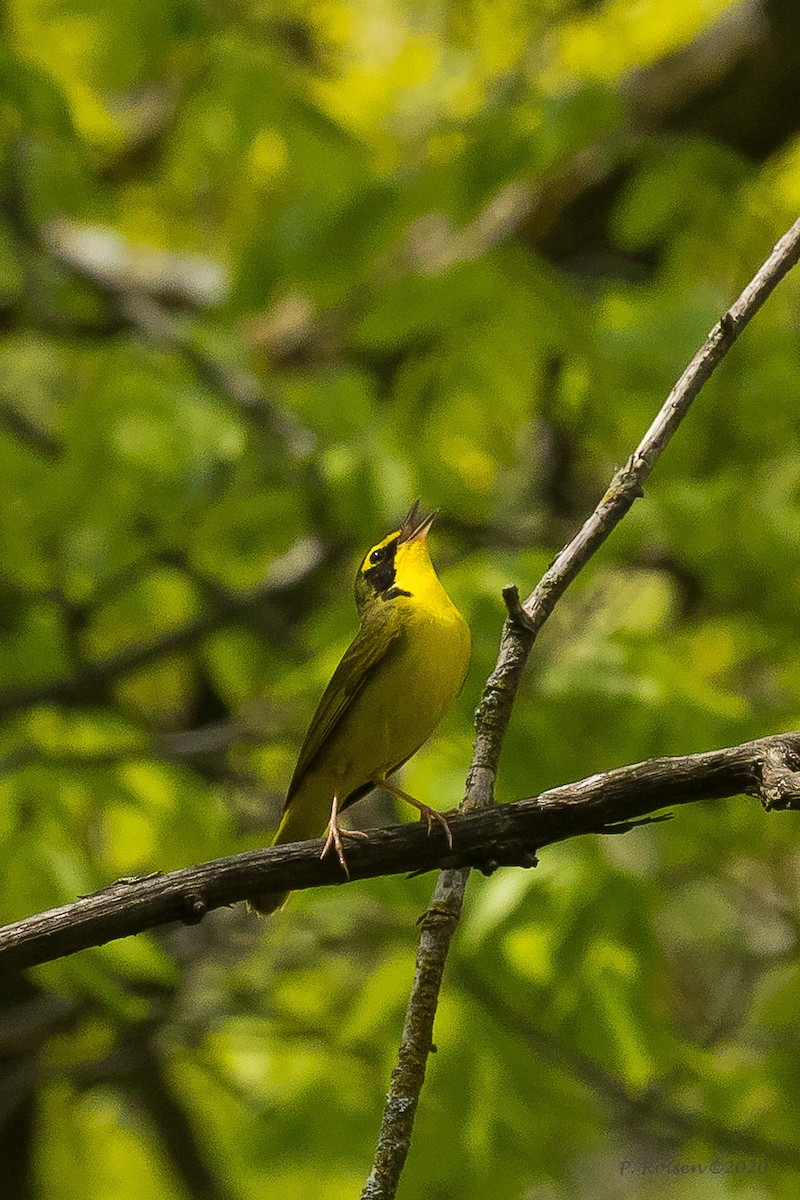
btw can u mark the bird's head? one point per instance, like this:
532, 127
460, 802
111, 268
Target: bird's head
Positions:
399, 566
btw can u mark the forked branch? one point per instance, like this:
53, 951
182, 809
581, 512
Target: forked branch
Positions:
494, 711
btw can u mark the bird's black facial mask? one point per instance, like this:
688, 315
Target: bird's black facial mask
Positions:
379, 570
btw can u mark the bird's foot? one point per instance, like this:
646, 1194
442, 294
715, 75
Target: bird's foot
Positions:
335, 834
426, 813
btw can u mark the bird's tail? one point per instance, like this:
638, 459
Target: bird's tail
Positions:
270, 902
295, 826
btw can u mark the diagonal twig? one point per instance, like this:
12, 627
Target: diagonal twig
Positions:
284, 575
651, 1111
494, 710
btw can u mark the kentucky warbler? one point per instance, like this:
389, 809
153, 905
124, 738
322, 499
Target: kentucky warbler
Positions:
399, 676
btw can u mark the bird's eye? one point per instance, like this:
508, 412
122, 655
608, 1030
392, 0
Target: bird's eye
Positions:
376, 556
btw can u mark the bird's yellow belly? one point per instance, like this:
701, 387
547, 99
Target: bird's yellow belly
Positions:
393, 714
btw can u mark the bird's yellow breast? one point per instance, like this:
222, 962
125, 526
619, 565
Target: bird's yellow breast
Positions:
411, 692
397, 709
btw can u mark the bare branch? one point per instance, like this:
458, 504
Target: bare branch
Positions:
284, 573
497, 701
650, 1111
27, 432
150, 1082
485, 838
133, 281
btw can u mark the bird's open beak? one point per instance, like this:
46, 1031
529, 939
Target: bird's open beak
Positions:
414, 527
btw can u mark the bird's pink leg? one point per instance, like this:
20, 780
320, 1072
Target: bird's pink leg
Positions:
335, 835
426, 813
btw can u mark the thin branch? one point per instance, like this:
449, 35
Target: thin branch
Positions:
130, 298
234, 384
485, 838
494, 710
650, 1111
188, 1153
27, 432
133, 299
285, 573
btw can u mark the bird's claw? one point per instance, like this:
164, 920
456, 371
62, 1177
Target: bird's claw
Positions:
334, 838
430, 815
426, 813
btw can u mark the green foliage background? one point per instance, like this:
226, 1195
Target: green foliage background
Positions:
269, 271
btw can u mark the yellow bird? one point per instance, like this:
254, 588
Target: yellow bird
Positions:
397, 679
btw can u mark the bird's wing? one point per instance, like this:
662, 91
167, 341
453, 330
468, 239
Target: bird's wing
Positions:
368, 648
